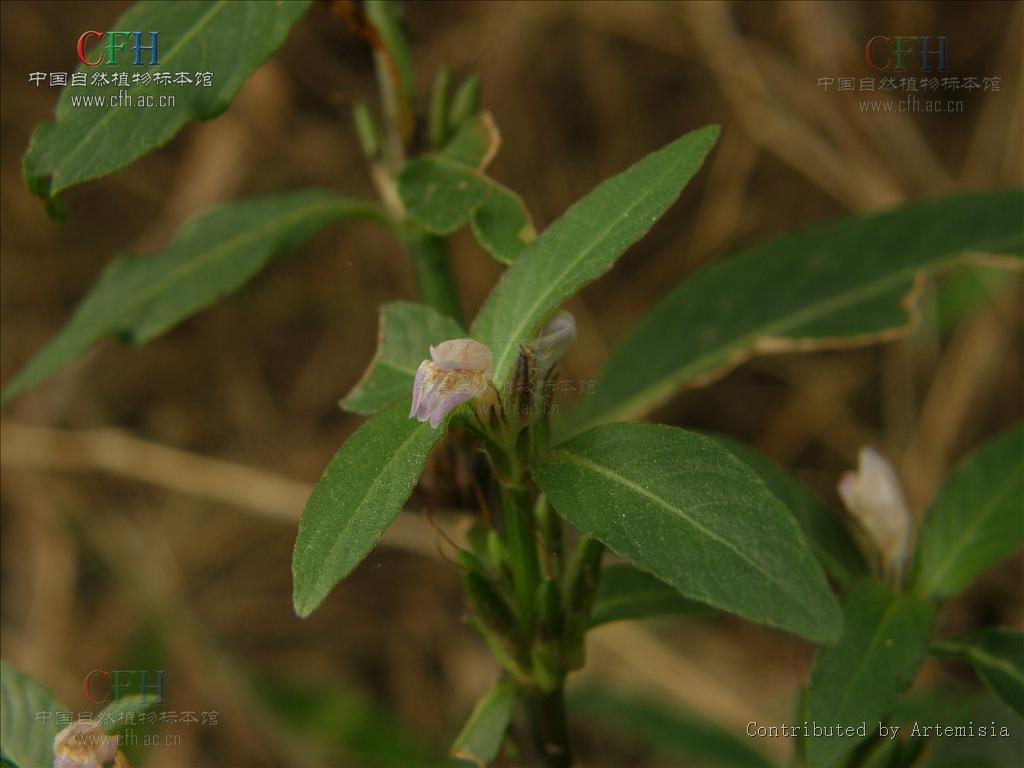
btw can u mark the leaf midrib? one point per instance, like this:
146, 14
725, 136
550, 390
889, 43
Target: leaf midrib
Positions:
779, 327
872, 646
199, 25
640, 490
546, 294
966, 536
189, 266
371, 490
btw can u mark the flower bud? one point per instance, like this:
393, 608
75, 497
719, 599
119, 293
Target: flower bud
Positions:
882, 521
554, 341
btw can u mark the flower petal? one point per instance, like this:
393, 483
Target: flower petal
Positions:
417, 387
874, 497
554, 341
463, 355
83, 744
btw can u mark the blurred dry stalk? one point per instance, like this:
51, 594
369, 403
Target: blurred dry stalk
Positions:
200, 547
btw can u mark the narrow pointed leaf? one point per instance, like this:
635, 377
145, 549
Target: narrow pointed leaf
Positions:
358, 497
885, 637
214, 254
682, 507
976, 520
584, 244
480, 738
405, 335
826, 535
626, 593
28, 719
229, 39
997, 655
840, 284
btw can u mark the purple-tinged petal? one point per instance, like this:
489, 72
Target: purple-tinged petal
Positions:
458, 371
448, 403
554, 341
417, 387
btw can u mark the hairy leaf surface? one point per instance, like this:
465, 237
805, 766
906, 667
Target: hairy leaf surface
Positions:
360, 494
682, 507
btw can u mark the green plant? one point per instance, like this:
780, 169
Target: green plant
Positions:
705, 524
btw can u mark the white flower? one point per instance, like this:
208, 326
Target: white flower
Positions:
458, 371
874, 497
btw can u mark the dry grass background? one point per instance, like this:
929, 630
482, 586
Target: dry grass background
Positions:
154, 493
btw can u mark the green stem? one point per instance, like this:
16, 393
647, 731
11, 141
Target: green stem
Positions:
550, 728
522, 552
432, 272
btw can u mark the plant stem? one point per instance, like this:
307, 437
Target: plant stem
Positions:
550, 728
432, 272
522, 552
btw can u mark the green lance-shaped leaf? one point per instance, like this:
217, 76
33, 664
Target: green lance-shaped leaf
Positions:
825, 533
405, 335
843, 283
584, 243
976, 520
442, 195
884, 640
214, 254
358, 497
480, 738
997, 655
626, 592
685, 509
230, 40
28, 719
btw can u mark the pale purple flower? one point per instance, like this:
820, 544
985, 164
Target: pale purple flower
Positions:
84, 744
554, 341
458, 371
874, 497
